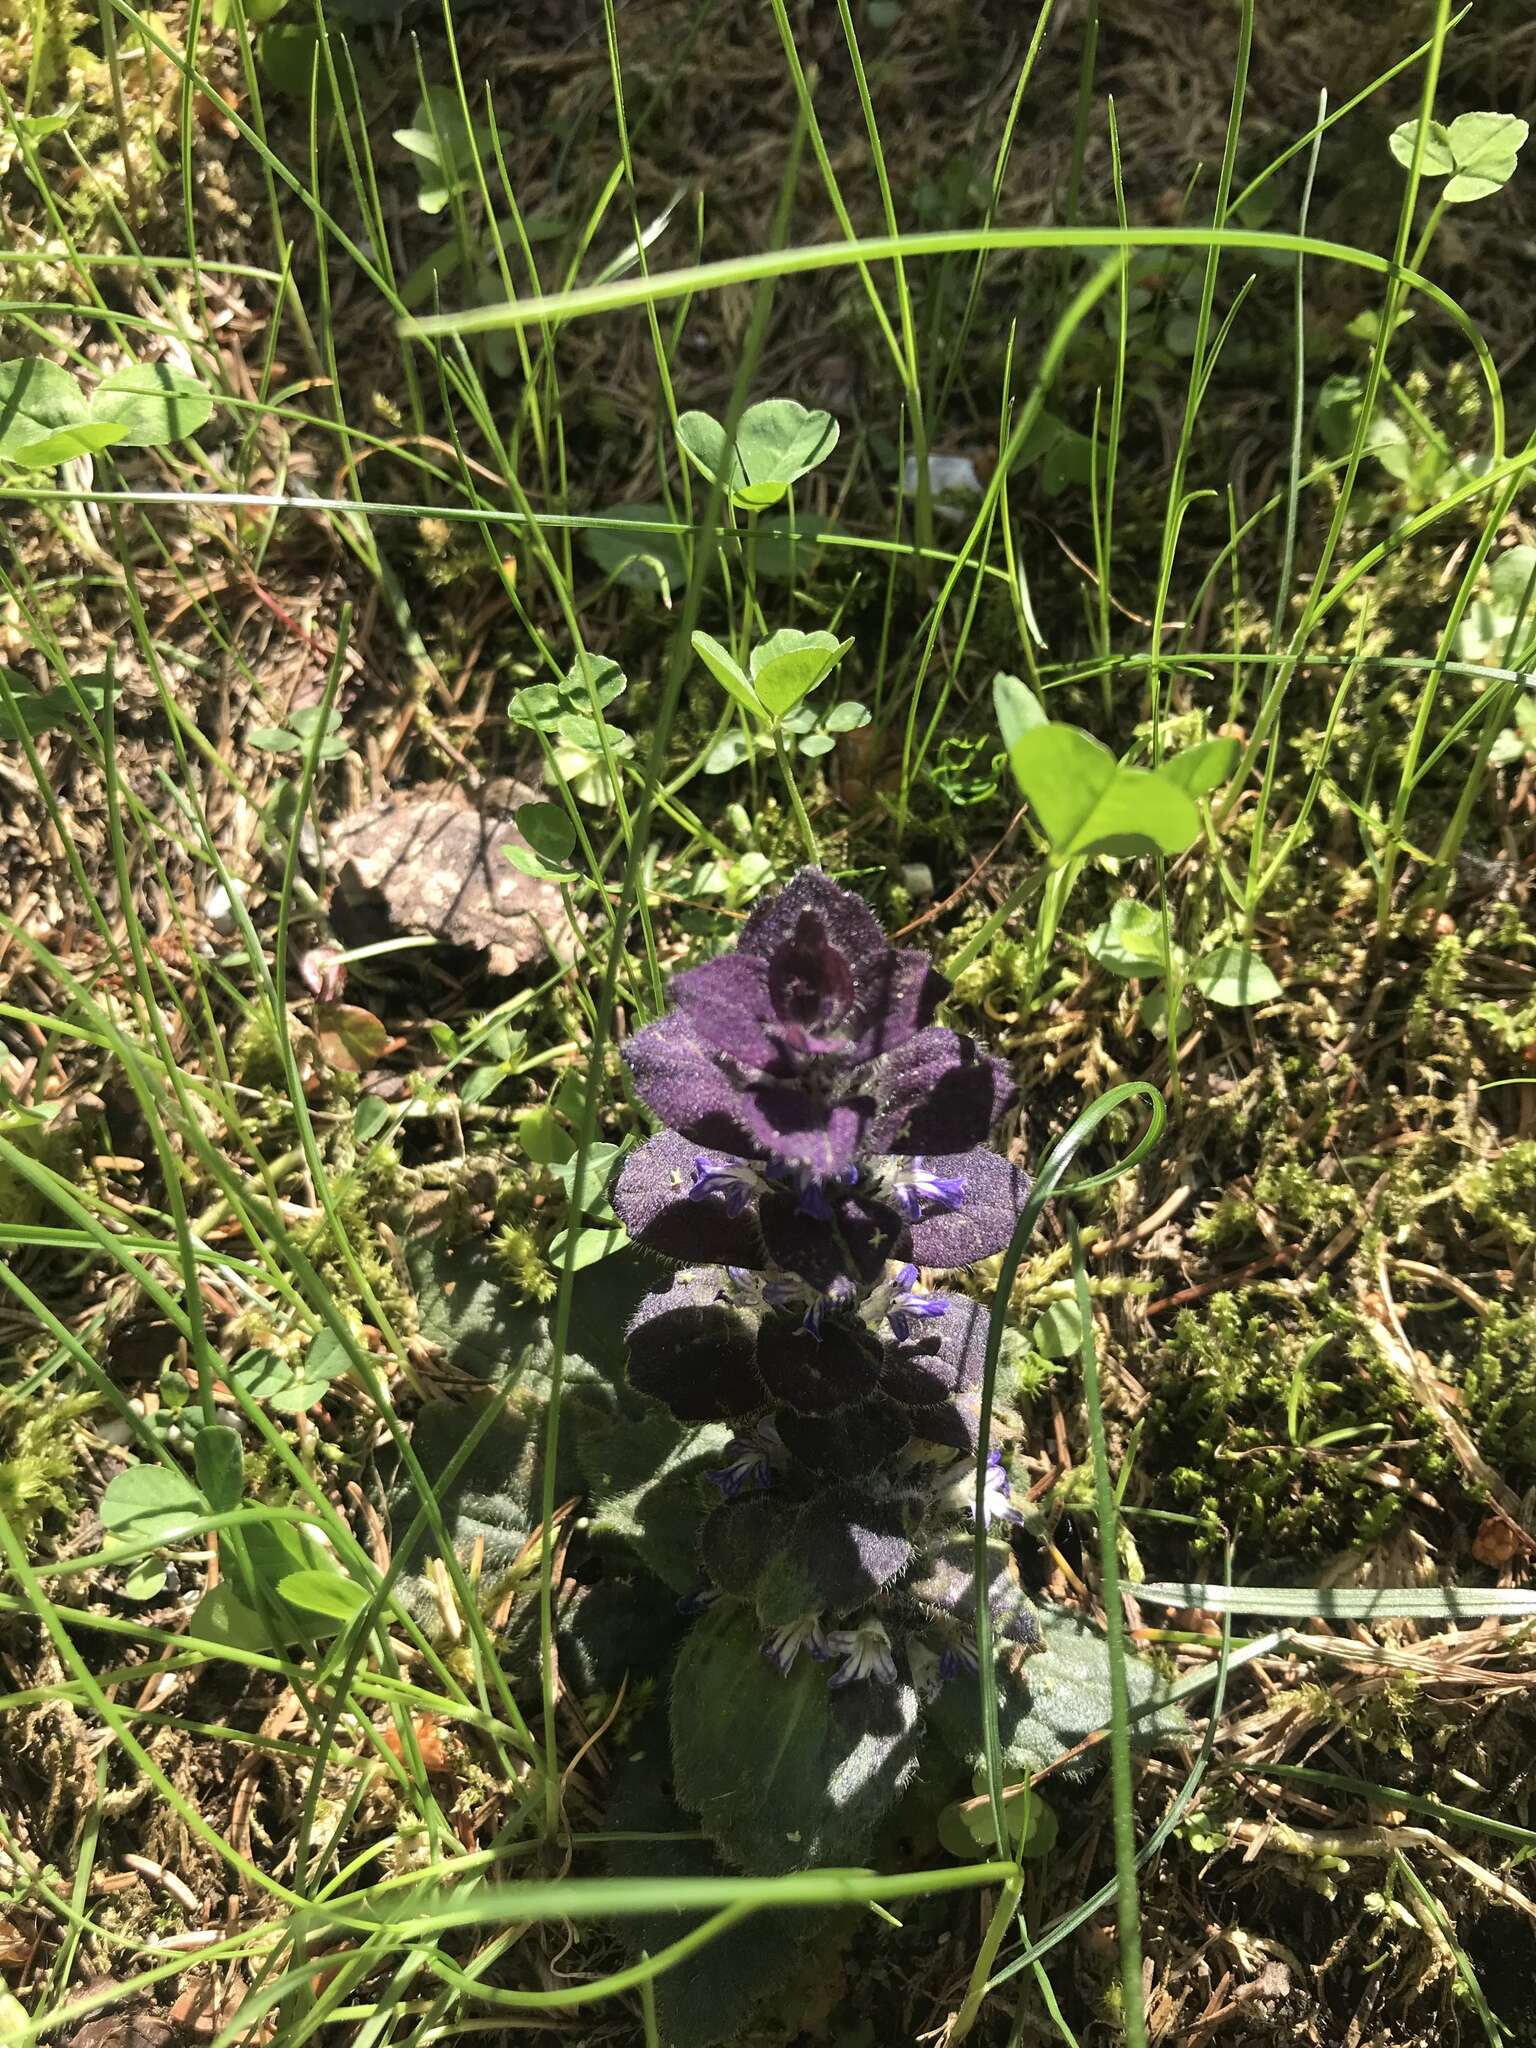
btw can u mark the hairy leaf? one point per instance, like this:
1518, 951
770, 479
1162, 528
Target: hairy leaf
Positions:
784, 1772
711, 1996
1051, 1702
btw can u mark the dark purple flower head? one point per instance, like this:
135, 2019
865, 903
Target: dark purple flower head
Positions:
812, 977
812, 1045
824, 1142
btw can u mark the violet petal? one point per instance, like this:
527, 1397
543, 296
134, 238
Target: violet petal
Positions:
937, 1094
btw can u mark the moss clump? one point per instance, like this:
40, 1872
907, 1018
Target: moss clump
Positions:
1269, 1421
38, 1460
1500, 1192
521, 1260
1498, 1387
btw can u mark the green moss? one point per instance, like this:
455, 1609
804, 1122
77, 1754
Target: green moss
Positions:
1268, 1414
54, 1148
521, 1259
39, 1456
1498, 1387
317, 1241
1294, 1191
1501, 1192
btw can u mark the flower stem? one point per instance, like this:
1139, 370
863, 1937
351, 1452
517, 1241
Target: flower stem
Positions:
986, 1956
813, 852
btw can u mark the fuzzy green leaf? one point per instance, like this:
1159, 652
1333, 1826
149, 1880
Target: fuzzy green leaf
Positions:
646, 1479
708, 1998
784, 1772
1053, 1701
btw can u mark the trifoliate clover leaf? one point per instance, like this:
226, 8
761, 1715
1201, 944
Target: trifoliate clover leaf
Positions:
777, 442
1477, 152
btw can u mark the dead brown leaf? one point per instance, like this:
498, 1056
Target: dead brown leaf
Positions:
437, 866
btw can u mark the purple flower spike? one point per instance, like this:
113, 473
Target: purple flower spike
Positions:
825, 1141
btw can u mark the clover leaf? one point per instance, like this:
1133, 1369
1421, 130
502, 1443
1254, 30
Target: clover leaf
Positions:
1085, 801
1477, 152
446, 146
785, 667
44, 418
1235, 977
777, 442
1130, 944
152, 404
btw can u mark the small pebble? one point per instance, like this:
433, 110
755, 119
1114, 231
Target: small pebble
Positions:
219, 908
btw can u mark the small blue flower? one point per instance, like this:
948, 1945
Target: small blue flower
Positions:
784, 1645
997, 1500
841, 1294
748, 1460
914, 1192
738, 1182
698, 1600
865, 1652
958, 1657
906, 1303
923, 1665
